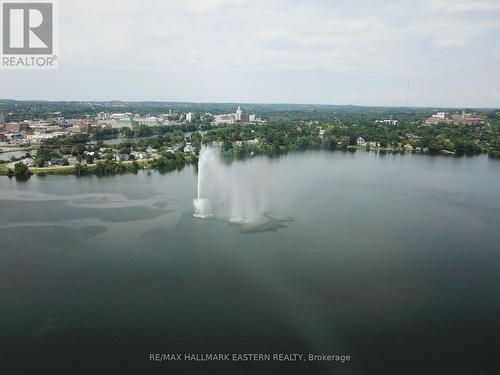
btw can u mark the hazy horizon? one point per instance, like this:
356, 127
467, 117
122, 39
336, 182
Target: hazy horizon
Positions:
247, 103
418, 53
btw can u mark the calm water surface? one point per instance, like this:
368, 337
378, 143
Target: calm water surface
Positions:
391, 259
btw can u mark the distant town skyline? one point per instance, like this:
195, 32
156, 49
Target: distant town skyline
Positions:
420, 53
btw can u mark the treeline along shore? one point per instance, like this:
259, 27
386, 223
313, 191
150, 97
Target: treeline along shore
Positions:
107, 151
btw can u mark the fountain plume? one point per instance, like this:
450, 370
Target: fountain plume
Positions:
228, 191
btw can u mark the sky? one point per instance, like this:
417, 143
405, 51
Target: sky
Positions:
437, 53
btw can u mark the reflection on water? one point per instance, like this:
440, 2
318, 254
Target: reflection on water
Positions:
266, 224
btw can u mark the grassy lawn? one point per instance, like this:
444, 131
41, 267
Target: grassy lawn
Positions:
3, 169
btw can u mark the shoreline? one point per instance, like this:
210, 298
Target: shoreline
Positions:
125, 166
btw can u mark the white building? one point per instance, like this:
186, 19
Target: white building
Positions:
138, 155
30, 162
391, 122
189, 117
253, 142
388, 122
121, 157
147, 121
225, 119
231, 118
2, 119
119, 116
189, 149
238, 114
441, 115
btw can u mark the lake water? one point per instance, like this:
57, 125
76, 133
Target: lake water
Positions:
392, 259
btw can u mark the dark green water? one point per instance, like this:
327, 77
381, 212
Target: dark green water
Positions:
392, 259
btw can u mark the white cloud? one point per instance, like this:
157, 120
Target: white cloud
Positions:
215, 44
462, 6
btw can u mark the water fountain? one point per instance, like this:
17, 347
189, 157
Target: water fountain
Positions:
233, 191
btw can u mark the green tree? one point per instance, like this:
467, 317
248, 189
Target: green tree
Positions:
134, 167
81, 169
21, 170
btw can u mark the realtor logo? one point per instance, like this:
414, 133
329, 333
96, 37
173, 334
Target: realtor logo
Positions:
28, 34
27, 28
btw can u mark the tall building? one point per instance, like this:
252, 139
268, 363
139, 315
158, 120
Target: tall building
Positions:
189, 117
239, 112
2, 119
245, 117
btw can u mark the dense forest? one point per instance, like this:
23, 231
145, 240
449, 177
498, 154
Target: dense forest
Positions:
23, 110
